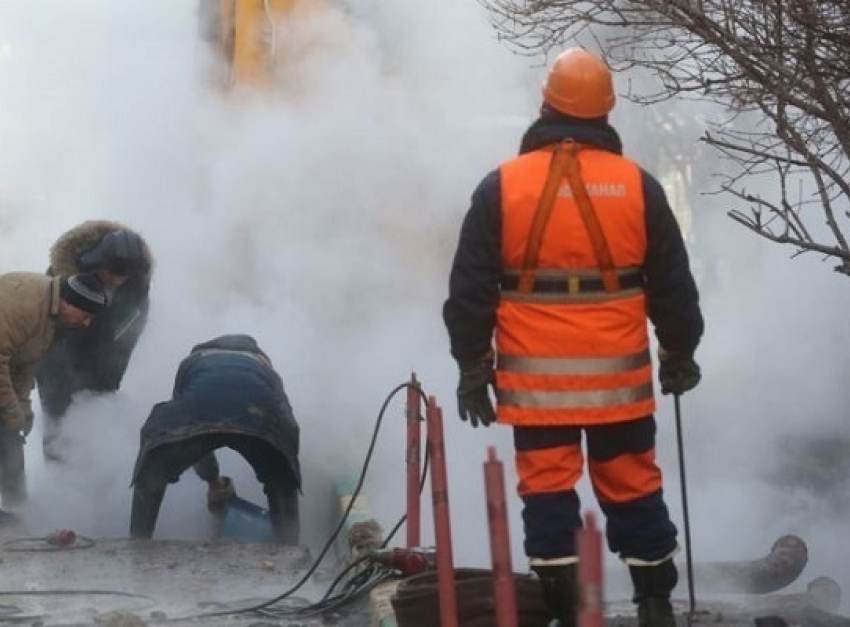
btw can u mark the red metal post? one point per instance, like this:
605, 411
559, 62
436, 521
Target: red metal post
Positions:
413, 455
500, 542
442, 525
589, 548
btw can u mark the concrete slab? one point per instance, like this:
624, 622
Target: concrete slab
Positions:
134, 583
98, 581
131, 583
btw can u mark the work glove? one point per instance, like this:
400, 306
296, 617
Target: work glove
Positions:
15, 417
473, 391
677, 373
219, 494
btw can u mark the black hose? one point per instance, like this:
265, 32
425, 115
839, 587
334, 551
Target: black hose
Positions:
380, 573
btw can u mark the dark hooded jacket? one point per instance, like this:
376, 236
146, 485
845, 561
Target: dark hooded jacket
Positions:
102, 351
66, 258
226, 385
476, 275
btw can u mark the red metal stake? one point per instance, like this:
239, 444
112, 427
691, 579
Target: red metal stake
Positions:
500, 542
589, 547
414, 416
442, 525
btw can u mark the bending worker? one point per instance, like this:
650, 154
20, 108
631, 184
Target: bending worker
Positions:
95, 358
226, 394
564, 252
32, 308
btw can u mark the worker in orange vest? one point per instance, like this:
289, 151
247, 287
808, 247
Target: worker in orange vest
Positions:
563, 254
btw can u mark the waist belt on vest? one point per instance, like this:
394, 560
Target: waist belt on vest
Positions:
573, 285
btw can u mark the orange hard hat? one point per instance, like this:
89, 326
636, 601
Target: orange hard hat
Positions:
579, 85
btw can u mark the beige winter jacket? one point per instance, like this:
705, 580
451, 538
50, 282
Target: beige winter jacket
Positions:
29, 309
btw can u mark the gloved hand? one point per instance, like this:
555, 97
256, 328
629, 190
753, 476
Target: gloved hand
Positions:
473, 397
15, 417
219, 494
677, 373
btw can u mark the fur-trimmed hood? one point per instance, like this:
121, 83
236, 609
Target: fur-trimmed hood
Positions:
65, 252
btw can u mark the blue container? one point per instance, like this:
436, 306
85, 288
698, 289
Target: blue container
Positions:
246, 522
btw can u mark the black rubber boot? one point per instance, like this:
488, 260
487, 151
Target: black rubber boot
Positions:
653, 586
284, 514
145, 511
558, 583
13, 483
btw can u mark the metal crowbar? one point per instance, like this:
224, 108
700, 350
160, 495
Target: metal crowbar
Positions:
686, 516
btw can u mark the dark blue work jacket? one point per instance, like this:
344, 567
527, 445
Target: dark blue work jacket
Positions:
224, 386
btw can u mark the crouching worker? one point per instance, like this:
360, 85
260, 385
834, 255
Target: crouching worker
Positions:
97, 357
226, 394
32, 308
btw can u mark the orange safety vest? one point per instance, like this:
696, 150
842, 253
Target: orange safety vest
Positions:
571, 334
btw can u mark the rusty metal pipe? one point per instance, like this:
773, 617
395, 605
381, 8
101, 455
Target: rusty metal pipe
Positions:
779, 568
689, 561
589, 549
776, 570
412, 458
442, 523
504, 591
822, 594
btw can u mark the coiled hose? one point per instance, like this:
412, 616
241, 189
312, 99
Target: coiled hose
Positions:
416, 602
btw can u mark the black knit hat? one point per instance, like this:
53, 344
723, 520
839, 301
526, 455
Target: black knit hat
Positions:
84, 291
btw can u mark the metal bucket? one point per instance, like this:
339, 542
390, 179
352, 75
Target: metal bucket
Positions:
246, 522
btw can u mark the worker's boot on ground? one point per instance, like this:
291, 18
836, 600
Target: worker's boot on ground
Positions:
145, 511
219, 493
558, 583
14, 491
13, 484
653, 586
284, 513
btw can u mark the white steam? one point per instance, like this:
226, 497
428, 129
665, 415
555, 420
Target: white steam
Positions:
322, 220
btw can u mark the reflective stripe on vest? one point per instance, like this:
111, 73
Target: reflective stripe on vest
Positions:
574, 365
574, 399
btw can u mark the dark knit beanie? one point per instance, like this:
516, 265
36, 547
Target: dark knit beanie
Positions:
84, 291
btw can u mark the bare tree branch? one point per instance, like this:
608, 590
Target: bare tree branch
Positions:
780, 67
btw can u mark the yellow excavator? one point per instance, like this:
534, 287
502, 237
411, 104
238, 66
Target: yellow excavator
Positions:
243, 34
